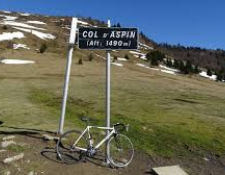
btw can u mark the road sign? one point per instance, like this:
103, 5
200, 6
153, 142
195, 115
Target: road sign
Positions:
108, 38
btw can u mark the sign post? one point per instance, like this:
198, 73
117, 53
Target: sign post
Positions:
108, 81
67, 76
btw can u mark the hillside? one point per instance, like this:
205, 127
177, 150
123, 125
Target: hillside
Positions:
204, 58
174, 118
26, 31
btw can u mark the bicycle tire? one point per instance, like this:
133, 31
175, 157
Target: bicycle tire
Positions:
65, 147
121, 150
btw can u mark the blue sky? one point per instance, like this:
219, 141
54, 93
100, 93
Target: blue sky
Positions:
188, 22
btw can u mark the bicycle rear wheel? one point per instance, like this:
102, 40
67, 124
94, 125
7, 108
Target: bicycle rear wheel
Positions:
67, 150
121, 150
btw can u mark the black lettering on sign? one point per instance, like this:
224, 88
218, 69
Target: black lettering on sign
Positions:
108, 38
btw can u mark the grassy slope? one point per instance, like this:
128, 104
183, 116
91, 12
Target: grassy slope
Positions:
168, 114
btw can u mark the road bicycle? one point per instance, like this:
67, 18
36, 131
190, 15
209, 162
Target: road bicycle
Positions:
75, 145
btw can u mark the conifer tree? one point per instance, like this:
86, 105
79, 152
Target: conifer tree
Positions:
219, 76
196, 69
176, 64
181, 66
209, 72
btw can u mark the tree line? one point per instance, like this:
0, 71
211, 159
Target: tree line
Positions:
185, 67
157, 57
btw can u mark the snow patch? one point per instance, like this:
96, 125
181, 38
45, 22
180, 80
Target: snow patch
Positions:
145, 66
100, 56
8, 138
11, 36
138, 54
169, 69
121, 59
7, 12
117, 64
66, 27
146, 46
19, 24
24, 14
164, 71
8, 18
5, 144
204, 74
36, 22
17, 46
82, 25
41, 35
143, 57
23, 29
82, 22
135, 52
168, 72
15, 61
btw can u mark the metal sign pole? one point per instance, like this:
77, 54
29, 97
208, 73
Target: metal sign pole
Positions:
68, 69
108, 64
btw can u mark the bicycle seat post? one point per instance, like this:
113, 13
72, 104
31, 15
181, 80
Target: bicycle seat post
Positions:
87, 122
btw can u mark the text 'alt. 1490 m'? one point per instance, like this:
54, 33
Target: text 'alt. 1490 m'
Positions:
108, 38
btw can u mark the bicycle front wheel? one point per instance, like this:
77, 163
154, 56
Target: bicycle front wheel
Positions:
67, 150
121, 150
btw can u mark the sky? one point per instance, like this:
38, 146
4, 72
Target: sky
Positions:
187, 22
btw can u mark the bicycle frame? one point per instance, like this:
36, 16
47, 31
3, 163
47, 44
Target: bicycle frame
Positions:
111, 129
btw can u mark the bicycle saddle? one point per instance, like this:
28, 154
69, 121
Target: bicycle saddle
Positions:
85, 119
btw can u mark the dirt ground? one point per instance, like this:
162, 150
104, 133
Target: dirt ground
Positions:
40, 158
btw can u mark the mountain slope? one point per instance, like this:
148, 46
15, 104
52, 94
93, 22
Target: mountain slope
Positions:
174, 118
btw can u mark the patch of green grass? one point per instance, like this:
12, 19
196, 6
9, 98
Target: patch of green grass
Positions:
167, 115
75, 109
16, 148
167, 133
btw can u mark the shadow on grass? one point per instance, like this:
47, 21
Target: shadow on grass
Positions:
51, 154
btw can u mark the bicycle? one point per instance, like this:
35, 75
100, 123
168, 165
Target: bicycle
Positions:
75, 143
